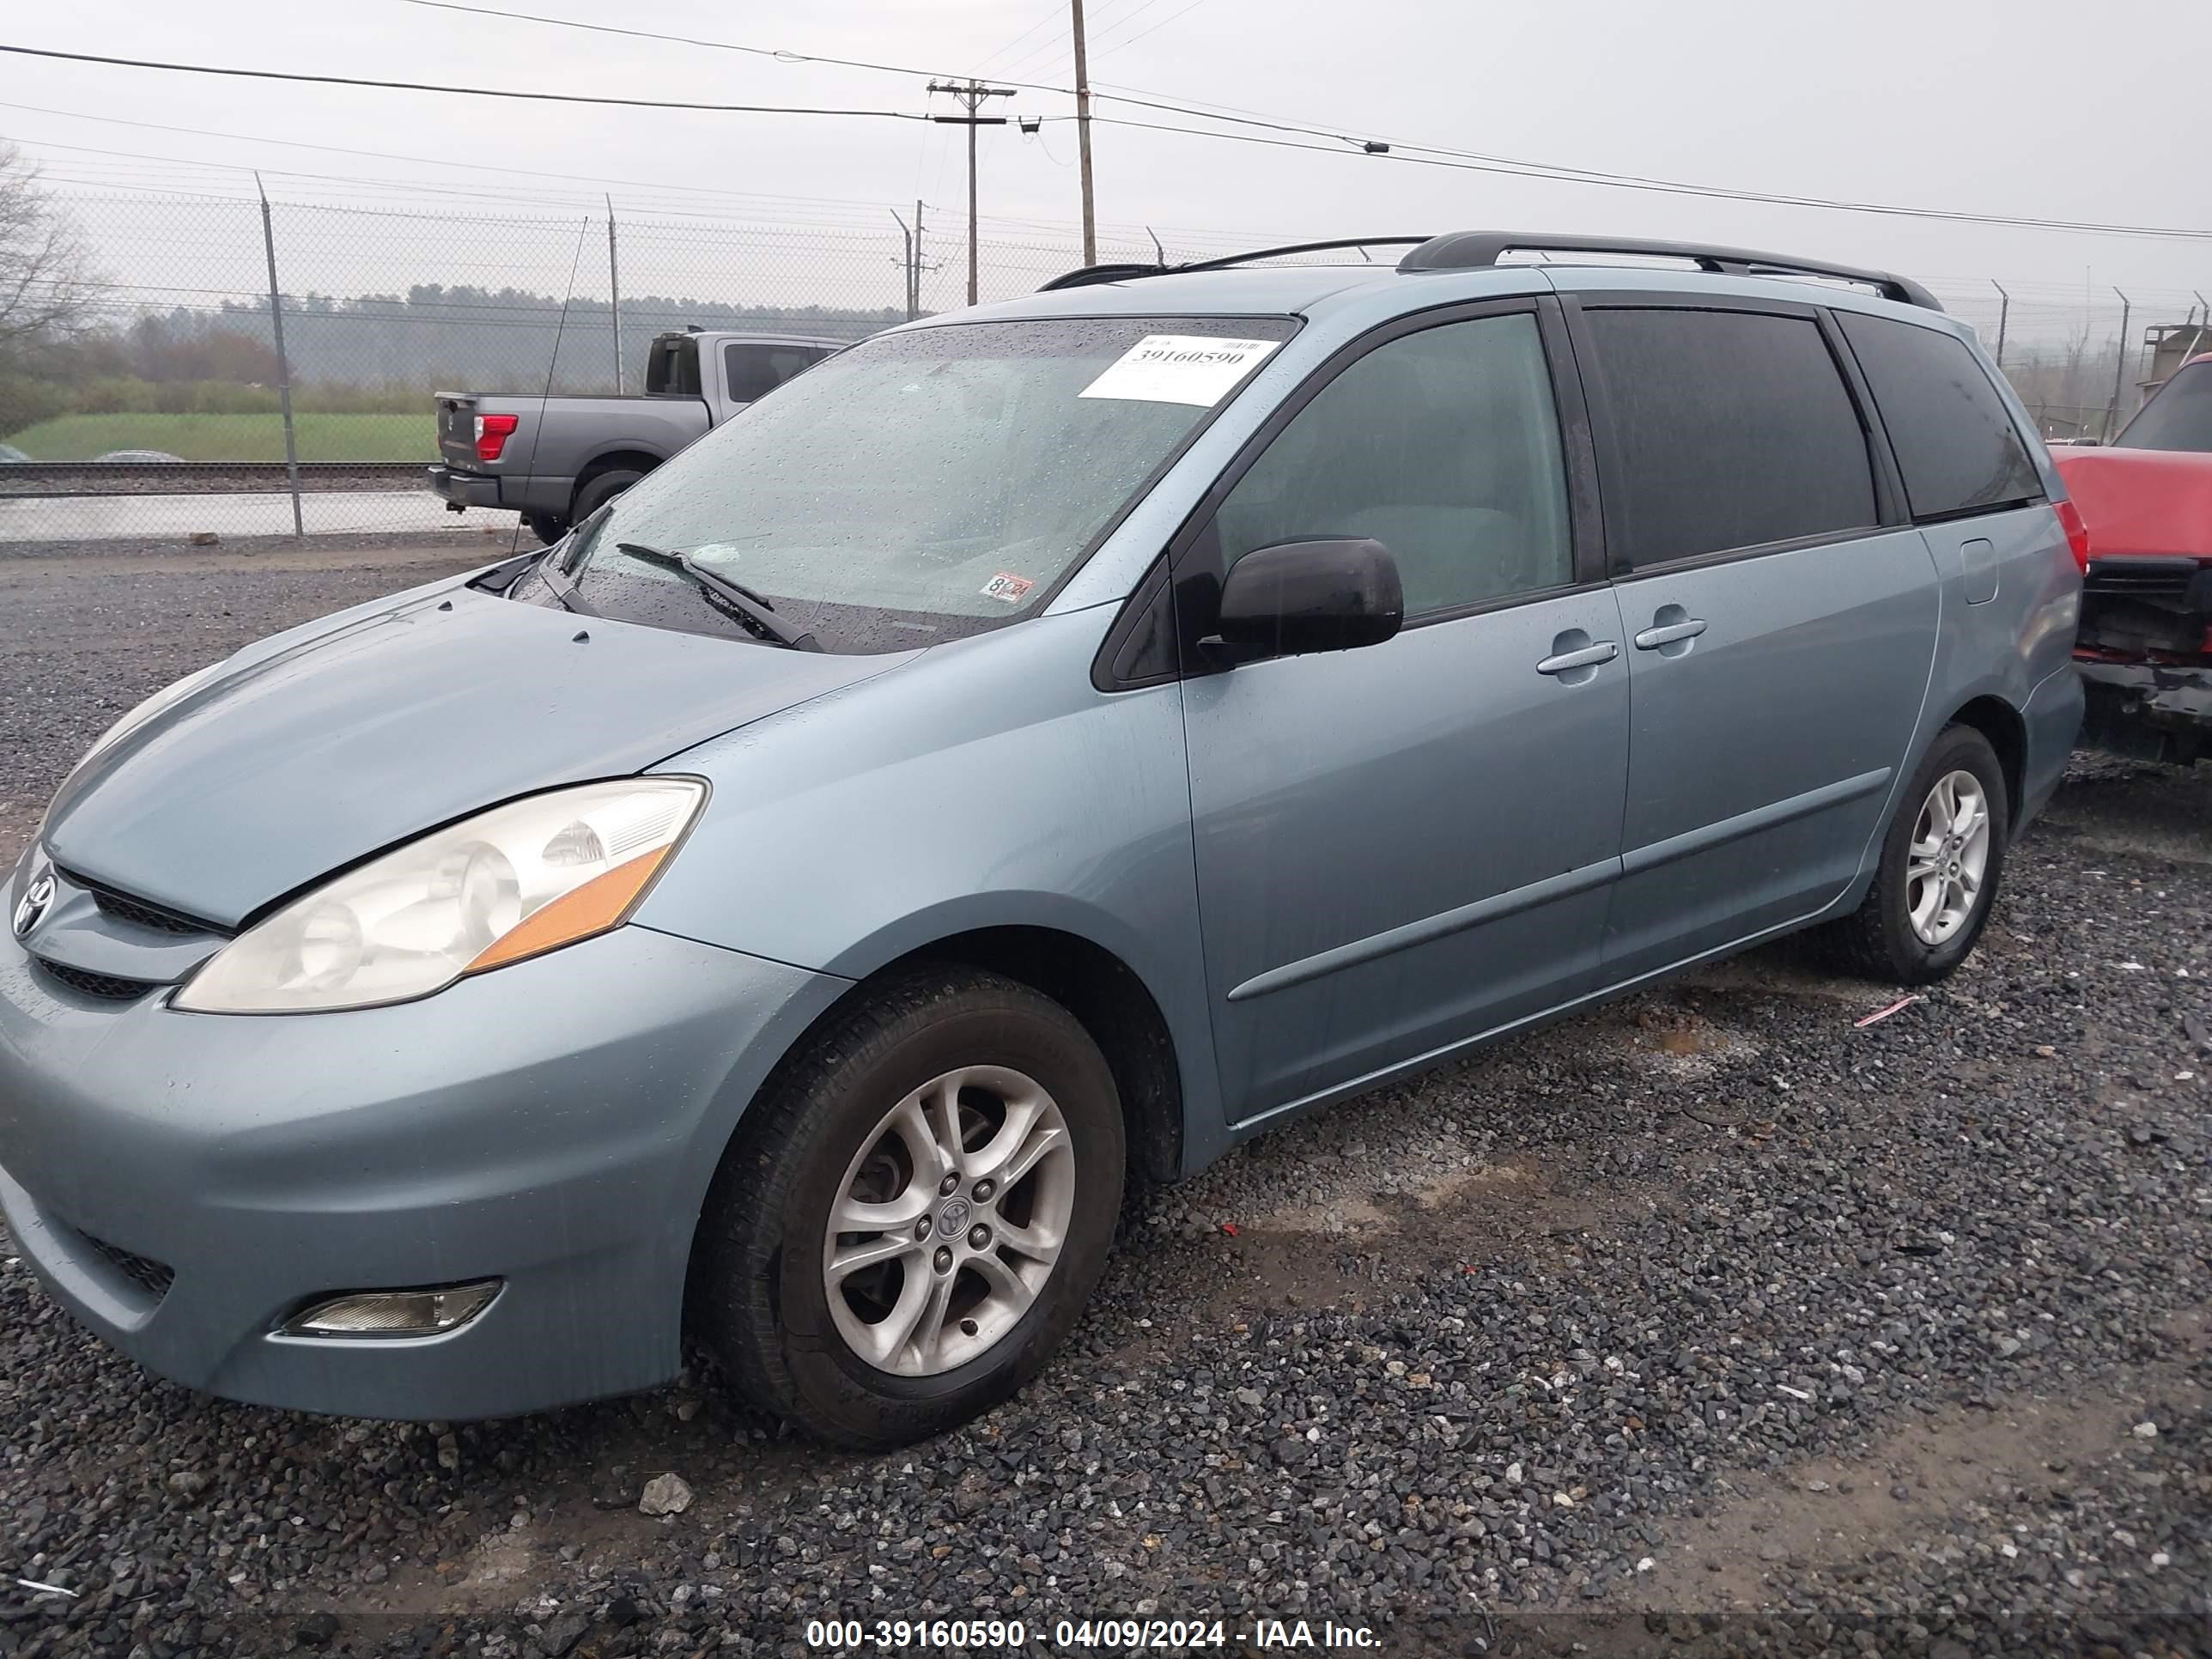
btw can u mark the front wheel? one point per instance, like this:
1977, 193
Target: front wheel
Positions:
915, 1211
1940, 863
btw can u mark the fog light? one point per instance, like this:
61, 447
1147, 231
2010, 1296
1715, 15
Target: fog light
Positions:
395, 1313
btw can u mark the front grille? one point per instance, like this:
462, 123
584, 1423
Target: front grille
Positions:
150, 1276
107, 986
139, 912
142, 914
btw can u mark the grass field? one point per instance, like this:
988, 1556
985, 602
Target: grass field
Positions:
232, 437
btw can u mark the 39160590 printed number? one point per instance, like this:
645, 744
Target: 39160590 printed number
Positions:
895, 1635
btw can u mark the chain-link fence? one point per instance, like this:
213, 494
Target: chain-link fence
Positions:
163, 416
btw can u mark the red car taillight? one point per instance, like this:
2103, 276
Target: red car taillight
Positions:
494, 430
2077, 534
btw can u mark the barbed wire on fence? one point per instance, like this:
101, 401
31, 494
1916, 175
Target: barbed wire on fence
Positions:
388, 299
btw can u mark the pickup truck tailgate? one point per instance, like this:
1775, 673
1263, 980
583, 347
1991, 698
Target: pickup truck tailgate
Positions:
456, 429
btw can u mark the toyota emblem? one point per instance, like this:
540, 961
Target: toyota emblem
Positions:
33, 910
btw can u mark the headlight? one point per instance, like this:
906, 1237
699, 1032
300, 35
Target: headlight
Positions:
173, 692
515, 882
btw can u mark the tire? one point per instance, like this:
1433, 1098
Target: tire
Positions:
546, 526
820, 1135
1880, 940
596, 491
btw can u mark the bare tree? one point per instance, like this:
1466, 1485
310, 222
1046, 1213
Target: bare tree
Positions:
46, 287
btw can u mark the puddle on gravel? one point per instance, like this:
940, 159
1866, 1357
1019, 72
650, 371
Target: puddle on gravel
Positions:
1957, 1473
1358, 1215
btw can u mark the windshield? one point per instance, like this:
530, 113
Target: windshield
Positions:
2178, 415
920, 486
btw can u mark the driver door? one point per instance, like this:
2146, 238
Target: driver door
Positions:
1404, 846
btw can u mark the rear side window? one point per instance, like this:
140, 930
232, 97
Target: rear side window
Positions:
1726, 429
2177, 416
1955, 441
754, 371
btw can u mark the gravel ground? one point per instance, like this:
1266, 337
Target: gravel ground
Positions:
1708, 1322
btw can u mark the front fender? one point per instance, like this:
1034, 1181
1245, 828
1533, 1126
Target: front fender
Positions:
988, 783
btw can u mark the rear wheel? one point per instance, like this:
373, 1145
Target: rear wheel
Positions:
1940, 863
596, 491
549, 528
915, 1212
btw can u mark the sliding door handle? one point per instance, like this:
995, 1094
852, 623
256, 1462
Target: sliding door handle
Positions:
1670, 634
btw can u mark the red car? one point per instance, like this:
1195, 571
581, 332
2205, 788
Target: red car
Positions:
2145, 645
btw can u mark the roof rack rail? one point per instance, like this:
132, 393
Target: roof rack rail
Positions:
1086, 276
1468, 249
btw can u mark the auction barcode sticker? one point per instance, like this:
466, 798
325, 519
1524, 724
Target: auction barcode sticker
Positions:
1179, 369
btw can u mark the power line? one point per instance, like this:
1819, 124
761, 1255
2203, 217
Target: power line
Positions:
470, 92
1467, 160
856, 204
1127, 17
856, 210
1051, 12
1525, 170
778, 53
1428, 155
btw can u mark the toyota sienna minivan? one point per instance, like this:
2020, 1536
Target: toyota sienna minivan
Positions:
1035, 750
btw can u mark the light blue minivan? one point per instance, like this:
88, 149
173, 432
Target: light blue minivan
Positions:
1038, 748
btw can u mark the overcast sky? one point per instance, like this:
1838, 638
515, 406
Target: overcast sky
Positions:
2026, 108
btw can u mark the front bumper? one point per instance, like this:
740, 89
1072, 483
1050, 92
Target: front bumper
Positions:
553, 1125
2147, 711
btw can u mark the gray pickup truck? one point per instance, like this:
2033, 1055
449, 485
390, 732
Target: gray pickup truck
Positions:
555, 459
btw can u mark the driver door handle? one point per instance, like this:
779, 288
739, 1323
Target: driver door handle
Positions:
1652, 638
1588, 657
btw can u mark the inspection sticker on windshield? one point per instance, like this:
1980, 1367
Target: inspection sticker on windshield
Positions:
1008, 588
1179, 369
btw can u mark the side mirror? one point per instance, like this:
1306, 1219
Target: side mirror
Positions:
1300, 597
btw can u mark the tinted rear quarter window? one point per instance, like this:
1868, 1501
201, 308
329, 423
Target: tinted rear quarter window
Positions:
1726, 429
1955, 441
672, 369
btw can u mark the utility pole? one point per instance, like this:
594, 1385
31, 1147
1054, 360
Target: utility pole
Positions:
284, 363
2119, 369
971, 96
614, 293
1082, 136
906, 263
2004, 315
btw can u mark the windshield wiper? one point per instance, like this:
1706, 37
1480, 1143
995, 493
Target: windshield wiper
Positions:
755, 612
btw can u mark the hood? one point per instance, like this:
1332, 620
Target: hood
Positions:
2142, 501
294, 761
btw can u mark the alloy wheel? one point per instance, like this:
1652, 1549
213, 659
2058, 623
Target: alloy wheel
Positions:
1948, 857
949, 1220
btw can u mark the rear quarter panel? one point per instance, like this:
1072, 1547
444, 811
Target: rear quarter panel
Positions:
559, 437
577, 431
2018, 647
